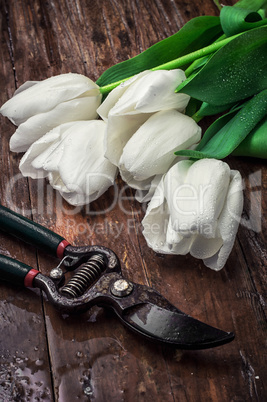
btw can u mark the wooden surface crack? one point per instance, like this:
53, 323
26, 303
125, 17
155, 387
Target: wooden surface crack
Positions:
10, 44
137, 225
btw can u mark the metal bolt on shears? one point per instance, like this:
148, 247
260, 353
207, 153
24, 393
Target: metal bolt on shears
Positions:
97, 280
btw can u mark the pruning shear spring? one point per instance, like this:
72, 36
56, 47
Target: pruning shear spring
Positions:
97, 280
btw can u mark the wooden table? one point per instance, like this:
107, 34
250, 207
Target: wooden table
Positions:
45, 356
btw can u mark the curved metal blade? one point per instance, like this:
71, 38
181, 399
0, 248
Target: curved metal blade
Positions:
174, 327
140, 308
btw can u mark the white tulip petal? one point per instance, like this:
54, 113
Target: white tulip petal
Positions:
152, 92
156, 217
148, 189
83, 108
128, 106
157, 227
24, 86
29, 164
50, 145
75, 198
150, 150
115, 95
204, 247
78, 199
160, 94
181, 248
72, 157
143, 185
196, 197
89, 163
45, 95
119, 130
206, 239
228, 222
172, 237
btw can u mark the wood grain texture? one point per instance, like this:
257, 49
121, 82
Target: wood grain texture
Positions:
92, 356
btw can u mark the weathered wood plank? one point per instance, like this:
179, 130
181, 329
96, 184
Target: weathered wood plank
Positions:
24, 359
92, 356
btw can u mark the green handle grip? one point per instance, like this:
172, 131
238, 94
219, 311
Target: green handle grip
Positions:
29, 231
13, 271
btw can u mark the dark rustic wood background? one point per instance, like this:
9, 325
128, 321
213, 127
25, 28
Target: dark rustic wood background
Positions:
48, 357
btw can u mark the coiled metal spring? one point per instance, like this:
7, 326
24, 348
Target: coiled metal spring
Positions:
87, 274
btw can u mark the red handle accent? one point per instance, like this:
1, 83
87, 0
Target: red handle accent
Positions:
61, 247
28, 280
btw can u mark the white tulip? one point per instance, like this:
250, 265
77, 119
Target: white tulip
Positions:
196, 209
129, 105
150, 151
72, 157
39, 106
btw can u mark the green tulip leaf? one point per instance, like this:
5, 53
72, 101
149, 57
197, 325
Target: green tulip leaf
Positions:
197, 65
225, 135
195, 34
255, 144
252, 5
208, 110
235, 72
192, 107
216, 126
236, 20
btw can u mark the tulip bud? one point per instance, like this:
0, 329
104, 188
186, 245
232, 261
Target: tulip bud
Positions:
72, 157
39, 106
150, 150
197, 208
130, 105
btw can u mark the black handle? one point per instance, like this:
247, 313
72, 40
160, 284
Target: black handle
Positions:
29, 231
13, 271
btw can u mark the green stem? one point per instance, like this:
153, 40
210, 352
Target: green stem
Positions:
196, 117
177, 63
200, 62
217, 4
195, 65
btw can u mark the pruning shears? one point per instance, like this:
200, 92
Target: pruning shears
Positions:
97, 280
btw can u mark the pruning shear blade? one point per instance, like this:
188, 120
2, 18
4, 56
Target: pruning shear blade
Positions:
97, 280
176, 328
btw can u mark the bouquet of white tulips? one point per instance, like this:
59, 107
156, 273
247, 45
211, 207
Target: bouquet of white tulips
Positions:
146, 128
